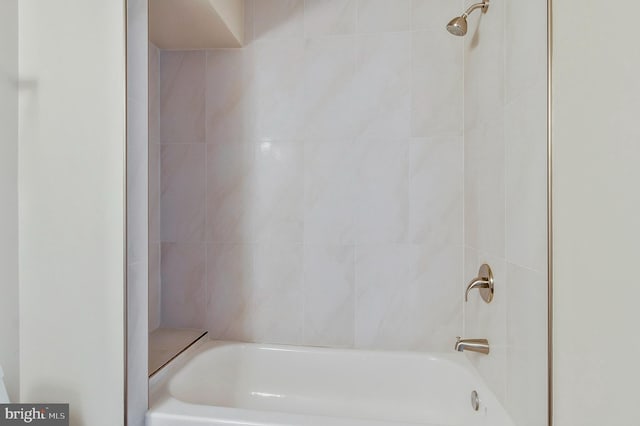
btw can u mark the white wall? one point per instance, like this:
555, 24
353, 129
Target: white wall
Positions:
9, 195
596, 146
71, 174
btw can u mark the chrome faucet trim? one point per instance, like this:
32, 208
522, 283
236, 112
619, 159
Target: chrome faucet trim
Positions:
472, 345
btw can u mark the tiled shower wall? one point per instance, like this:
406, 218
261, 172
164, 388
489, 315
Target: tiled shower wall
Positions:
505, 200
312, 182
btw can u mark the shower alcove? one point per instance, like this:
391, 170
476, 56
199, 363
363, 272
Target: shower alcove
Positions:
332, 173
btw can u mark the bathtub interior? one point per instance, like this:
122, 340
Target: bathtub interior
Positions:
386, 387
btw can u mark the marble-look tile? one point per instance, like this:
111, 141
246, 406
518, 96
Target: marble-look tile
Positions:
526, 179
437, 90
330, 192
229, 291
484, 67
527, 355
484, 216
278, 19
155, 286
487, 321
183, 285
277, 300
375, 16
329, 17
329, 280
436, 194
407, 297
274, 210
182, 98
382, 192
228, 168
329, 99
279, 84
433, 14
382, 86
226, 95
525, 46
183, 192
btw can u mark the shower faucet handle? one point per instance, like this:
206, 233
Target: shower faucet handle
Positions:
483, 282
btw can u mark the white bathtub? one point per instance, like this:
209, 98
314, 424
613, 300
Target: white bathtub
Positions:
219, 383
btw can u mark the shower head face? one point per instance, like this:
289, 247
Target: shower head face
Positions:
458, 26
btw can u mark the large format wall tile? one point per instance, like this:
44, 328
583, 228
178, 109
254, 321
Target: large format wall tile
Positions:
527, 353
182, 98
183, 192
375, 16
329, 83
436, 190
382, 86
437, 91
399, 289
330, 17
325, 222
329, 305
183, 285
330, 192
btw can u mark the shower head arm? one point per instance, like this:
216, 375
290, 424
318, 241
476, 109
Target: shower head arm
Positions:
484, 5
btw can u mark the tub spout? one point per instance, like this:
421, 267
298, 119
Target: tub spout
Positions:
472, 345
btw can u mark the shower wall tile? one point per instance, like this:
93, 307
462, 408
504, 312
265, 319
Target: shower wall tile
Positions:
484, 197
484, 60
276, 307
398, 288
277, 19
183, 284
437, 74
182, 105
382, 198
183, 192
436, 190
229, 168
525, 46
329, 304
229, 286
526, 190
376, 16
330, 17
227, 119
382, 86
279, 88
433, 14
275, 193
505, 201
329, 77
310, 195
330, 192
527, 353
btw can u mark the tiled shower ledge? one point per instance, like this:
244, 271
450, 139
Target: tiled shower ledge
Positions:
167, 343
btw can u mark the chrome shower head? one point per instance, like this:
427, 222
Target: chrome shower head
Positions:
458, 26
